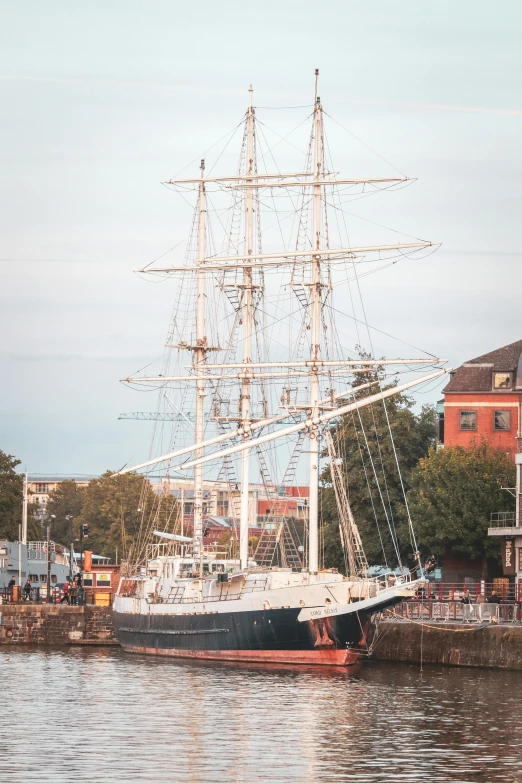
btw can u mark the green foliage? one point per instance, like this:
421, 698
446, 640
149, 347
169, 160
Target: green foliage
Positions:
253, 541
34, 526
66, 500
11, 497
453, 492
113, 507
227, 542
362, 438
11, 490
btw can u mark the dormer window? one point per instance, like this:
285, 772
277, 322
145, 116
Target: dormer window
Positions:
502, 381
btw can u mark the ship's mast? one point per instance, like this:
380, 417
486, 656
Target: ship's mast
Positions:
199, 362
315, 325
247, 337
318, 412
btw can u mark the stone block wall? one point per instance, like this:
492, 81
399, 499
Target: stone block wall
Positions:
491, 647
55, 624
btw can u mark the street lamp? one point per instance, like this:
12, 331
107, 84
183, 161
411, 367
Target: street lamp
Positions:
50, 516
71, 546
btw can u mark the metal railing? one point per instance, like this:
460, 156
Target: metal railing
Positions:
479, 591
502, 519
40, 546
81, 597
425, 611
7, 595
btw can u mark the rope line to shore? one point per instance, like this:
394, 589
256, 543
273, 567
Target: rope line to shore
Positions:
437, 627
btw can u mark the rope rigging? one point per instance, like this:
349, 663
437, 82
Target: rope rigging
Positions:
274, 305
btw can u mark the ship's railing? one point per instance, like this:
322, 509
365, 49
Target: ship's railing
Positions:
227, 592
177, 594
255, 585
421, 611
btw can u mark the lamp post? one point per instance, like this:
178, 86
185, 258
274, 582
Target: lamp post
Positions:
84, 533
51, 516
71, 546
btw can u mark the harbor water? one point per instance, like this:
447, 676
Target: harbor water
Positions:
102, 716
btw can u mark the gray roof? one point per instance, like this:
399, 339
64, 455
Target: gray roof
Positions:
217, 521
476, 374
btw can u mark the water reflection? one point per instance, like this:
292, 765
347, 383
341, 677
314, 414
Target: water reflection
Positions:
101, 715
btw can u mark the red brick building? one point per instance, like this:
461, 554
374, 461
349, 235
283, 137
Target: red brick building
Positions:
483, 400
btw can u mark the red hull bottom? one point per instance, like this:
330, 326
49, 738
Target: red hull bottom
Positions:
308, 657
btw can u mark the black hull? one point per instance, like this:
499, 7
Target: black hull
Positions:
265, 635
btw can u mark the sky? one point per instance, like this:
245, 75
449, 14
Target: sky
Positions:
101, 101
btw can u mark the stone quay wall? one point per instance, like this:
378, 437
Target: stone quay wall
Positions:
55, 624
492, 646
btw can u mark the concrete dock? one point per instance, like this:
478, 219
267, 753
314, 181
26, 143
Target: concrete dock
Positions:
486, 645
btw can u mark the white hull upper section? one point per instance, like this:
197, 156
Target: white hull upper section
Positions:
254, 591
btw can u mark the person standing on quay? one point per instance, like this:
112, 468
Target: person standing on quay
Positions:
72, 593
27, 590
65, 596
467, 609
466, 598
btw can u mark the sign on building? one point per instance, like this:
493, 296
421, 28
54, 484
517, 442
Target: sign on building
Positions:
508, 556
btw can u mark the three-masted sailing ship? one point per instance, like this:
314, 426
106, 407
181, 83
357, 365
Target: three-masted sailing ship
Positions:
258, 392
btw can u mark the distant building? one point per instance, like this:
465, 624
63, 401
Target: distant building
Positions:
221, 500
41, 488
29, 561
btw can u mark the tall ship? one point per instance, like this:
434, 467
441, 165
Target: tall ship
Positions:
255, 382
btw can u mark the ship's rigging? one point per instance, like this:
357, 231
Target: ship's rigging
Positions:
233, 401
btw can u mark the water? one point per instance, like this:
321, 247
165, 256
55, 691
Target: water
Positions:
102, 716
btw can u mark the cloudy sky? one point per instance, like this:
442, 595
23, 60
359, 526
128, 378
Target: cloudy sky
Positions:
103, 100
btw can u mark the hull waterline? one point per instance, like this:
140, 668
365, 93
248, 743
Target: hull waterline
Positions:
266, 636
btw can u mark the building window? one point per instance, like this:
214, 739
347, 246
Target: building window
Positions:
468, 420
502, 380
43, 488
502, 420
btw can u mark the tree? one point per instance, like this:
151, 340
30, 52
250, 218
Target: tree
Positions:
372, 479
114, 508
227, 542
11, 499
453, 492
66, 500
11, 492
